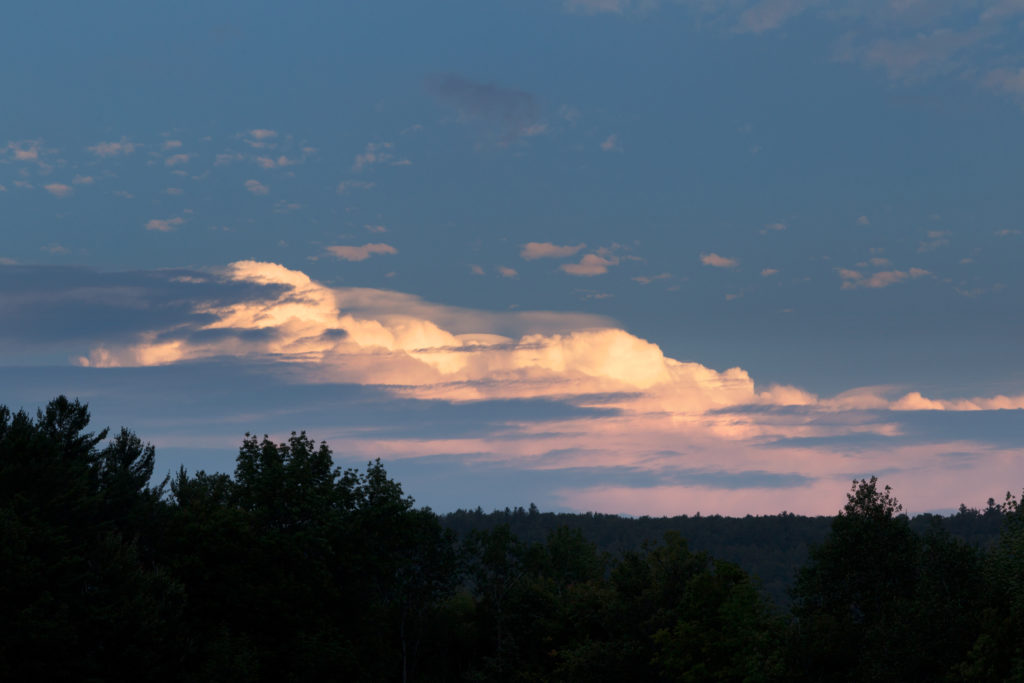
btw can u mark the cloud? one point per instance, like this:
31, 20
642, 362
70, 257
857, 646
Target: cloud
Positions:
768, 272
346, 185
590, 265
936, 239
507, 272
476, 270
164, 224
611, 144
82, 180
256, 187
596, 6
262, 133
113, 149
717, 261
776, 227
536, 250
573, 399
24, 150
375, 153
854, 279
768, 15
514, 112
648, 280
176, 159
58, 189
361, 253
863, 220
170, 144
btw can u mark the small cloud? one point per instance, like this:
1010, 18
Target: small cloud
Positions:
171, 144
164, 224
3, 189
507, 272
174, 191
265, 162
256, 187
25, 150
854, 279
863, 220
515, 112
596, 6
82, 180
1007, 232
361, 253
717, 261
777, 227
589, 265
879, 262
376, 228
56, 249
414, 128
375, 153
918, 272
648, 280
401, 162
176, 159
536, 250
611, 144
226, 158
123, 194
113, 149
58, 189
768, 272
476, 270
936, 239
263, 133
346, 185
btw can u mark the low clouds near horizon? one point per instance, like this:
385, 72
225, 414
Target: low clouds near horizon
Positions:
656, 414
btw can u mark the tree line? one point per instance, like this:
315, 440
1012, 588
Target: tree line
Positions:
294, 569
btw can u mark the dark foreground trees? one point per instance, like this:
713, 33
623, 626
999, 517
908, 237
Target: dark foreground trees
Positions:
293, 569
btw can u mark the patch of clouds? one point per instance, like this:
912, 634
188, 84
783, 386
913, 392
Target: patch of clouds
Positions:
113, 148
345, 185
1007, 232
375, 153
644, 280
256, 187
507, 272
58, 249
855, 279
516, 113
717, 261
611, 144
536, 250
591, 265
768, 272
863, 220
936, 239
352, 253
171, 144
164, 224
24, 150
476, 270
176, 159
58, 189
82, 180
768, 15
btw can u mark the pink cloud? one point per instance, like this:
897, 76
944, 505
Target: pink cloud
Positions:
717, 261
361, 253
536, 250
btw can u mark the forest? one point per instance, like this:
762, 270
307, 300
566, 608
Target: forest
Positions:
293, 569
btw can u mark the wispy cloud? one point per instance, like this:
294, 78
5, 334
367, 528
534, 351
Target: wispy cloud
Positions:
351, 253
855, 279
58, 189
375, 153
717, 261
256, 187
514, 112
164, 224
507, 272
536, 250
113, 149
590, 265
611, 144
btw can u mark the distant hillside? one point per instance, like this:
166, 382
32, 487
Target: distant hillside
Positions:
771, 547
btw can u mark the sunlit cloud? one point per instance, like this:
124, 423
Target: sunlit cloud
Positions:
176, 159
536, 250
590, 265
164, 224
112, 149
256, 187
717, 261
58, 189
361, 253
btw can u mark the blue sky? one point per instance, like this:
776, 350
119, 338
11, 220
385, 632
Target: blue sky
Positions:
633, 256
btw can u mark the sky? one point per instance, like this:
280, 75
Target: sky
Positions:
629, 256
